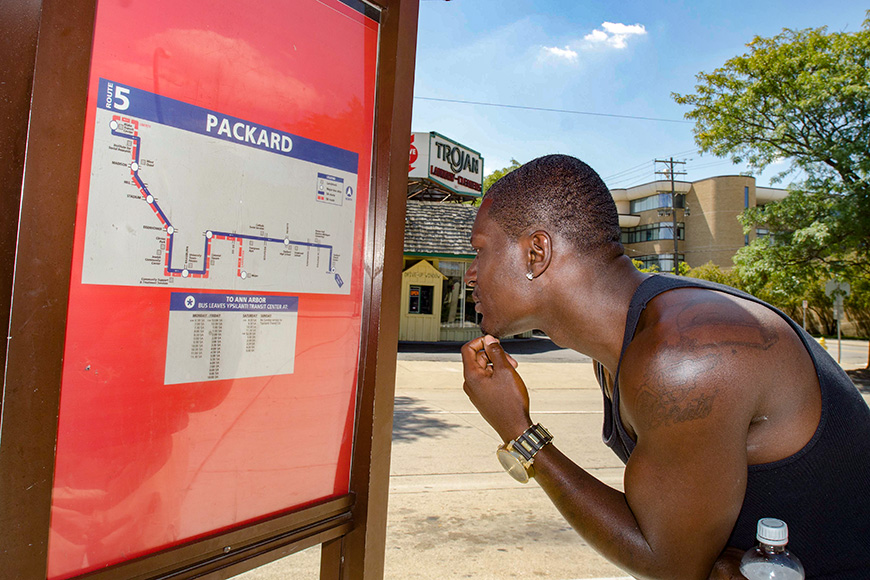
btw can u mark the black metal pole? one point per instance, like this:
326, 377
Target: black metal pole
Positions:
674, 214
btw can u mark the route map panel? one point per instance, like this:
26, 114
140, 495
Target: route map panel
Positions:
189, 198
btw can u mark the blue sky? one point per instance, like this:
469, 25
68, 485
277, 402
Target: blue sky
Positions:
617, 58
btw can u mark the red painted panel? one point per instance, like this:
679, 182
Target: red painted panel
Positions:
144, 463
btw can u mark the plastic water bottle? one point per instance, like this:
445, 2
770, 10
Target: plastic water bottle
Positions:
770, 560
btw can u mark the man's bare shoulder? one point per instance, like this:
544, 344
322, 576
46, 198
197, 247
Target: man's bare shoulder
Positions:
711, 362
697, 351
698, 319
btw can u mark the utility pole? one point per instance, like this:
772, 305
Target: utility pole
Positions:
669, 171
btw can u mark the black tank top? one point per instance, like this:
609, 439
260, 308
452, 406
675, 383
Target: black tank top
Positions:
822, 492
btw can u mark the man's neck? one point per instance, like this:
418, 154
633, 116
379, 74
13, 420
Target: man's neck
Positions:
587, 308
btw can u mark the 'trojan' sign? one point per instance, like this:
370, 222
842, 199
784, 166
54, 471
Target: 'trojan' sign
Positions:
452, 165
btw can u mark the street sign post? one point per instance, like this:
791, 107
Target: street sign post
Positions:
838, 290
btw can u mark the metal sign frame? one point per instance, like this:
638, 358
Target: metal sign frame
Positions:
49, 49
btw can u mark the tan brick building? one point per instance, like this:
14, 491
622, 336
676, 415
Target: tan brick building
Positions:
706, 218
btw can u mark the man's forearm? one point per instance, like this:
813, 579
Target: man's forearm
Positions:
603, 517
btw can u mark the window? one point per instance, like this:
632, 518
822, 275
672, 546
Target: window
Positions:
745, 206
652, 232
420, 299
657, 201
457, 308
665, 262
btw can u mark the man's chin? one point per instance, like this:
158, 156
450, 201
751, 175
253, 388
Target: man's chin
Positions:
495, 331
487, 329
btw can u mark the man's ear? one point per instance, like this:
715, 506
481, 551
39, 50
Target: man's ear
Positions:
540, 250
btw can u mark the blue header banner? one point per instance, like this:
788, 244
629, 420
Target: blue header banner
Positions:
141, 104
212, 302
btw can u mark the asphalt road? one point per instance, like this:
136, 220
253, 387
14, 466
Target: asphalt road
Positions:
535, 349
852, 353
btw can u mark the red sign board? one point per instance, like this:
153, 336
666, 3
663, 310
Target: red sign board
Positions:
213, 334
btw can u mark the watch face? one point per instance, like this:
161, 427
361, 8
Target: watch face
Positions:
512, 463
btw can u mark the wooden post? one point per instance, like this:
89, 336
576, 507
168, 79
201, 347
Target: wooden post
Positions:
360, 554
38, 243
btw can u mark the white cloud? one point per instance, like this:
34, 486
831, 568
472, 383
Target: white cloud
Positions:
564, 53
596, 36
617, 28
614, 34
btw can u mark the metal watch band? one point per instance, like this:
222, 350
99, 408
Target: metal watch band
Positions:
531, 441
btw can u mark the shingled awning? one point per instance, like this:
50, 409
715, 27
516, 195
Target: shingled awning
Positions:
439, 229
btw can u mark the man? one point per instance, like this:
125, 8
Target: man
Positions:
723, 410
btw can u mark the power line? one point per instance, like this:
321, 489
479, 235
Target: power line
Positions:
645, 170
634, 177
712, 164
685, 152
548, 110
632, 173
631, 181
629, 170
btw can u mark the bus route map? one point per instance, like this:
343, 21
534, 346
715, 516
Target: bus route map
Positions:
185, 197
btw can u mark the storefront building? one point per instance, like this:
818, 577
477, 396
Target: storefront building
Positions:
445, 178
436, 303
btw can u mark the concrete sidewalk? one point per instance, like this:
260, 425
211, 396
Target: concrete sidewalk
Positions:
461, 507
453, 513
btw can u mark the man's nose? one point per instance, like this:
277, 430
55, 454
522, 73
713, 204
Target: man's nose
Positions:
471, 274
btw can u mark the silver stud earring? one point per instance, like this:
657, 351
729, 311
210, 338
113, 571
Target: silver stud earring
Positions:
530, 276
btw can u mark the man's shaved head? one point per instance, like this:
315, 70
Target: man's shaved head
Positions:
561, 194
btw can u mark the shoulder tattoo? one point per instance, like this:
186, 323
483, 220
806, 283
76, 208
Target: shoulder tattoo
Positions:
673, 395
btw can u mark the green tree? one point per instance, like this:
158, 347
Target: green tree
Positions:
498, 174
858, 308
654, 269
713, 273
801, 96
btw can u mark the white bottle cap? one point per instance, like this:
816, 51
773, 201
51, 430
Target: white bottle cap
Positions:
772, 532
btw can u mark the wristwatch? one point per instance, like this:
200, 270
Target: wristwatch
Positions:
517, 456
